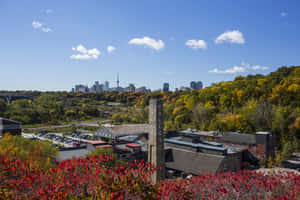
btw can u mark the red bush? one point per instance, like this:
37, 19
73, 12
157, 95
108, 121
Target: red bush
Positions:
93, 178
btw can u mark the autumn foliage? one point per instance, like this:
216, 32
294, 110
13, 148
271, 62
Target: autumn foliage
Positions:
91, 178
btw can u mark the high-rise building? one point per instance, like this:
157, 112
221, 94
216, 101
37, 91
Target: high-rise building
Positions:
106, 86
81, 88
196, 85
193, 85
166, 87
96, 87
199, 85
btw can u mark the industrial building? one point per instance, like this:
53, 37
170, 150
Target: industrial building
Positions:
10, 126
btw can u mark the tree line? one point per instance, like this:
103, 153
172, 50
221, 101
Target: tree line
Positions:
247, 104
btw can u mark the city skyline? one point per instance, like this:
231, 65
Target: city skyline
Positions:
104, 86
59, 44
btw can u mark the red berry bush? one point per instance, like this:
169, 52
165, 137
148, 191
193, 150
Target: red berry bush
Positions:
96, 178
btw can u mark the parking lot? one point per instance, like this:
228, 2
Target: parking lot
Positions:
60, 139
70, 140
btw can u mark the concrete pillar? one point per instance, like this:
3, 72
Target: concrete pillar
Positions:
156, 154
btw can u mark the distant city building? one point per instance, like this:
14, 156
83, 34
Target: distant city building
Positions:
199, 85
130, 88
182, 88
106, 86
81, 88
166, 87
196, 85
116, 89
143, 89
96, 87
118, 81
193, 85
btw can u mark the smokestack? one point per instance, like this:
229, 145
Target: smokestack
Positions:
156, 154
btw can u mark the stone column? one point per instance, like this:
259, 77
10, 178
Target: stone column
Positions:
156, 154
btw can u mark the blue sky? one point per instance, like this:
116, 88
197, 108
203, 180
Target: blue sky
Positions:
53, 45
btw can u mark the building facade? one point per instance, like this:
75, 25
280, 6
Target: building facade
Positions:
196, 85
166, 87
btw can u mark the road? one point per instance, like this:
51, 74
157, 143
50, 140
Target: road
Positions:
93, 124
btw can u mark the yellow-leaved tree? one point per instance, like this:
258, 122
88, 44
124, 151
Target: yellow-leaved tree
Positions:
39, 154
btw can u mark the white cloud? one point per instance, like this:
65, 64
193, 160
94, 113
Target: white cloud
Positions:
148, 42
36, 24
233, 70
110, 49
84, 53
194, 44
253, 67
239, 69
49, 11
231, 37
283, 14
258, 67
46, 29
40, 26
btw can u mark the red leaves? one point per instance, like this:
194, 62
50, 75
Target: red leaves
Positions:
92, 178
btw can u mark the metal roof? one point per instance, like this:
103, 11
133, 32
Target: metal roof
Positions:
211, 143
196, 145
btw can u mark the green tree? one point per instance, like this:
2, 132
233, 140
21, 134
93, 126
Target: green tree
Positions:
202, 116
3, 107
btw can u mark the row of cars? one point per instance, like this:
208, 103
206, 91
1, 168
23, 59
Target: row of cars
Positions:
83, 137
58, 138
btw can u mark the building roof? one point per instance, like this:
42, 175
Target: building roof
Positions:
9, 121
263, 133
192, 162
129, 138
120, 130
96, 142
133, 145
196, 145
239, 138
